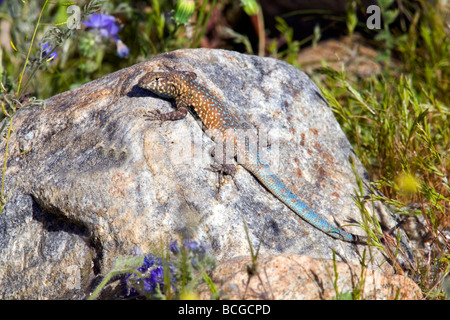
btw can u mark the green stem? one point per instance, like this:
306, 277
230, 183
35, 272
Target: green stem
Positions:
29, 50
108, 277
205, 23
261, 33
2, 198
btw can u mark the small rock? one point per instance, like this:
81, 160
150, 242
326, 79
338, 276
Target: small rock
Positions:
288, 276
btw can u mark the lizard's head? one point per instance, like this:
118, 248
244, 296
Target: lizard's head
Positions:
166, 84
163, 84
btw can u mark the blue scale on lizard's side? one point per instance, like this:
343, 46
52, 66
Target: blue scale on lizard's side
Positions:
187, 92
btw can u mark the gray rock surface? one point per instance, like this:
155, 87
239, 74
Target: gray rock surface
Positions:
98, 180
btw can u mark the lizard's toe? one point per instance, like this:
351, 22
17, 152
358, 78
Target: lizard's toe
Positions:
153, 115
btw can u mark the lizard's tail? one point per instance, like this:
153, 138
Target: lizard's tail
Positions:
263, 173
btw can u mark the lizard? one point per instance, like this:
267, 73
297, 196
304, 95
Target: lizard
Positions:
187, 92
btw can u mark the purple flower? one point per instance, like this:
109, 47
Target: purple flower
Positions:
153, 274
156, 277
190, 245
122, 49
149, 261
195, 248
105, 25
46, 50
174, 247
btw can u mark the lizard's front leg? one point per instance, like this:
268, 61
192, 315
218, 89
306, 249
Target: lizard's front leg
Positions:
178, 114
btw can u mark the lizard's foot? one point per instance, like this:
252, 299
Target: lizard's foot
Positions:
154, 115
222, 170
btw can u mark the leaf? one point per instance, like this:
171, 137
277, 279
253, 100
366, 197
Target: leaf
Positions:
385, 3
328, 71
12, 45
211, 285
389, 16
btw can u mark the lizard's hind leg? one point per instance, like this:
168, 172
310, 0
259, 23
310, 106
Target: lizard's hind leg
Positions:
222, 169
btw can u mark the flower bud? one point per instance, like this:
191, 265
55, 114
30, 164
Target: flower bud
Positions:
183, 11
250, 7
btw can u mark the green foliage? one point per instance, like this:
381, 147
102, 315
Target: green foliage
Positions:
292, 46
386, 35
398, 124
356, 293
352, 18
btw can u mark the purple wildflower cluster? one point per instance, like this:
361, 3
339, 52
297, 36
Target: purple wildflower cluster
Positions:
198, 251
151, 282
153, 277
105, 26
